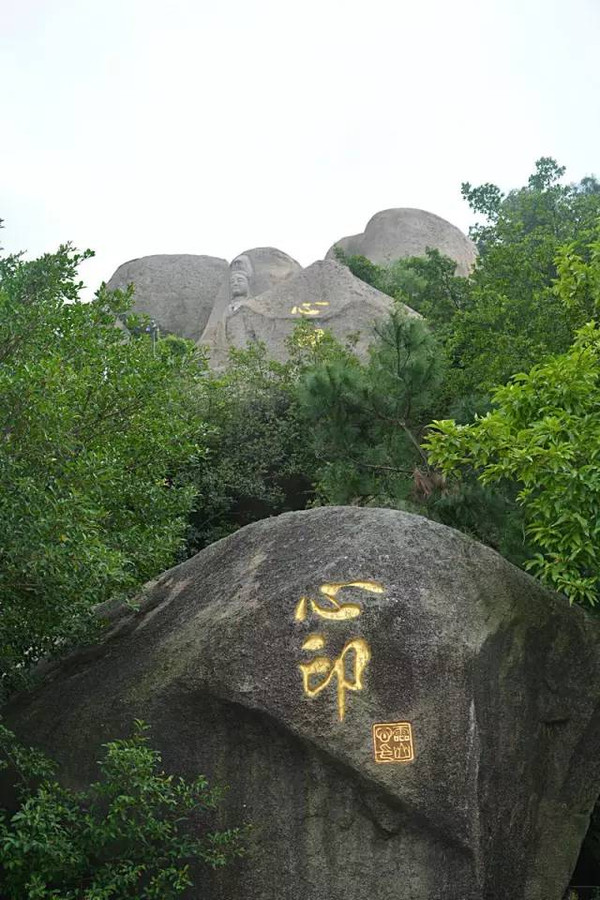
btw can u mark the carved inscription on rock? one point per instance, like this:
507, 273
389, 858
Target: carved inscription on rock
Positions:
346, 670
393, 742
310, 309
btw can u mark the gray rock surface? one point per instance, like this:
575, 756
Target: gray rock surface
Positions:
326, 293
178, 291
254, 666
396, 233
251, 273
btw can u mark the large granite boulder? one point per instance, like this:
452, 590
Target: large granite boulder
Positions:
326, 293
397, 233
177, 291
398, 711
251, 273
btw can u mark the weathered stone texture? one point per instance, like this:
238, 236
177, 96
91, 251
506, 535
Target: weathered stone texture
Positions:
176, 290
326, 293
498, 678
397, 233
251, 273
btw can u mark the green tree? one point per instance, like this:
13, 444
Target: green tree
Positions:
578, 283
97, 437
364, 419
544, 434
428, 284
507, 316
254, 450
364, 423
513, 317
360, 266
133, 834
259, 460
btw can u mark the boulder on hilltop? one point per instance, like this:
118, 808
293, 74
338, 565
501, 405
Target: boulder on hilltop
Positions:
397, 233
326, 293
250, 273
177, 291
397, 710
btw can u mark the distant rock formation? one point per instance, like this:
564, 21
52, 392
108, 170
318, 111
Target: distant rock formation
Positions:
258, 270
251, 273
398, 233
326, 293
397, 710
204, 299
177, 291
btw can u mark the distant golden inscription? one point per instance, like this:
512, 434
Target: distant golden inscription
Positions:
348, 668
309, 309
393, 742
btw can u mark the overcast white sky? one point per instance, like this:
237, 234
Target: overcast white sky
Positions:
136, 126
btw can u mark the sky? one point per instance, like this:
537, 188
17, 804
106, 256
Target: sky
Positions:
136, 127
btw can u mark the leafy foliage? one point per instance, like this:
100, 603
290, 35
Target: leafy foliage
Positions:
507, 316
259, 459
254, 451
95, 431
133, 834
428, 284
513, 317
544, 437
544, 434
578, 283
364, 419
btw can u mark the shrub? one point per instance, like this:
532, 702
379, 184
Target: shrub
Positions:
133, 834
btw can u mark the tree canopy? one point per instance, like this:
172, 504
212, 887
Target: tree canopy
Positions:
544, 433
95, 433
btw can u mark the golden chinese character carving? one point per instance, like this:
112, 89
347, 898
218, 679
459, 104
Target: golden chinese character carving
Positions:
393, 742
317, 674
350, 665
309, 309
336, 610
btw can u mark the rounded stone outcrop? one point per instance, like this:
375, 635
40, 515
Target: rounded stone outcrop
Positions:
397, 710
326, 293
177, 291
250, 273
397, 233
255, 271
